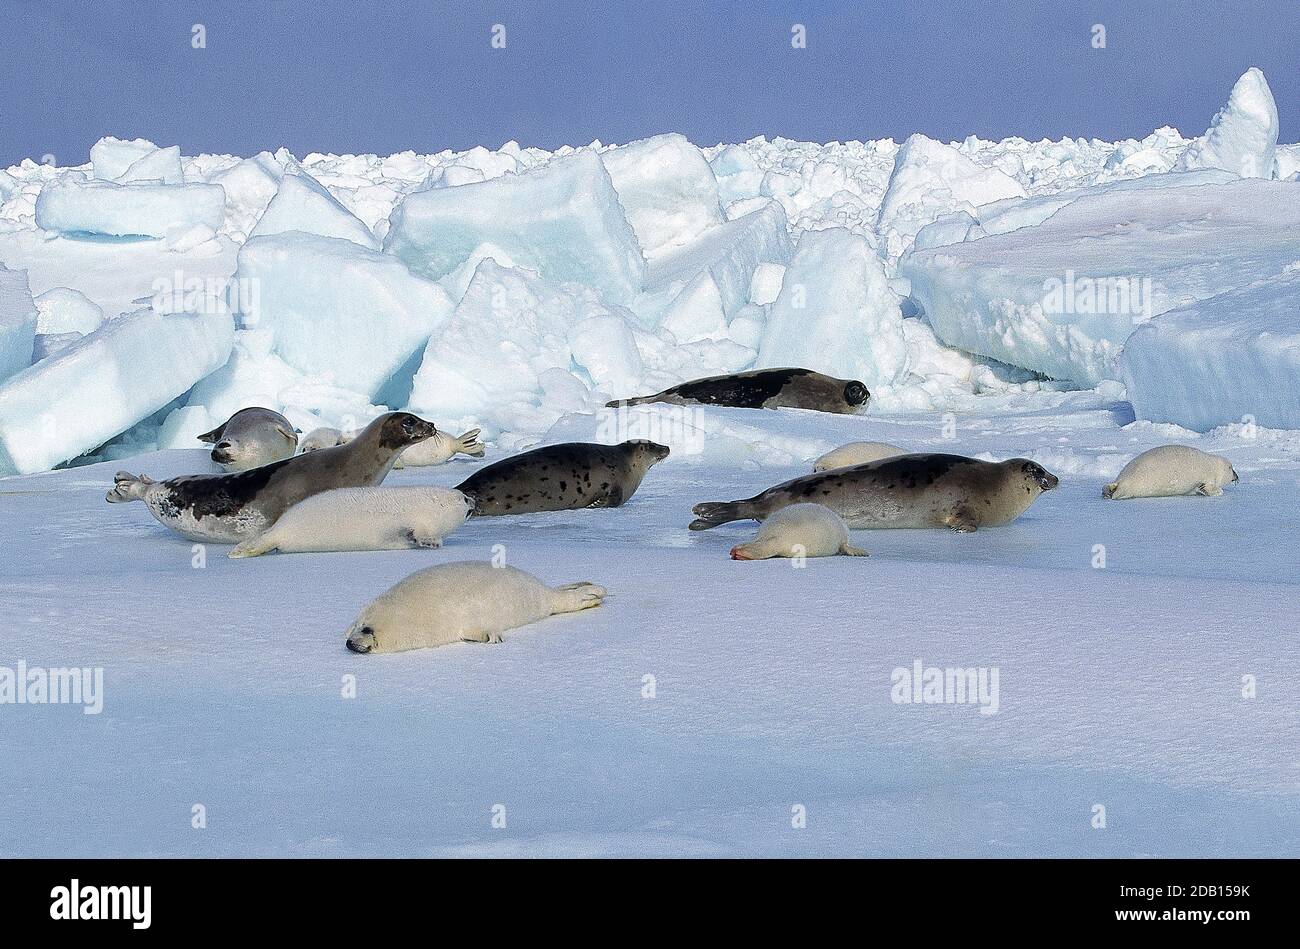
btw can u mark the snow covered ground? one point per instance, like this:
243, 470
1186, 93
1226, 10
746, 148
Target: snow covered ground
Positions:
1119, 687
1074, 302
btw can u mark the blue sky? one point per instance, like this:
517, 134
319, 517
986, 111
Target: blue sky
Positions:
370, 76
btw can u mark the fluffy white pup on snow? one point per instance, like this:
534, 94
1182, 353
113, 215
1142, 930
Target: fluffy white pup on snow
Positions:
799, 530
363, 519
1171, 471
467, 601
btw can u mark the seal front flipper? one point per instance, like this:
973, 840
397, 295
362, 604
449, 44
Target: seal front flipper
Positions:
611, 498
961, 520
254, 546
423, 540
712, 513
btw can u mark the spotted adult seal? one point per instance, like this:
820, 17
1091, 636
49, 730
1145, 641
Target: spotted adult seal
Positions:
764, 389
562, 477
922, 490
252, 437
800, 530
232, 507
1171, 471
467, 601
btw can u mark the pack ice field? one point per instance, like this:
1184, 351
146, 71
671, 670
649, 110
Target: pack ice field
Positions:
767, 498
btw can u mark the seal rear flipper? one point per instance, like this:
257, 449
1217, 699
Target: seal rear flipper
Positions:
127, 487
572, 597
468, 444
1110, 489
712, 513
637, 400
212, 437
850, 551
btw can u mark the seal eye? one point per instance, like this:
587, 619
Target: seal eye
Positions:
408, 425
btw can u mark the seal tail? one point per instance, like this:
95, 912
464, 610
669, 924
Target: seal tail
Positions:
127, 487
468, 444
712, 513
573, 597
627, 403
254, 546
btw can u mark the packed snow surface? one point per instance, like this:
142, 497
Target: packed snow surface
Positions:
707, 701
1075, 302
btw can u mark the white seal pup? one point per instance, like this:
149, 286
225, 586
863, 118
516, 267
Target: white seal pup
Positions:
764, 389
922, 490
1171, 471
440, 448
435, 450
319, 438
466, 601
807, 530
228, 508
363, 519
250, 438
856, 453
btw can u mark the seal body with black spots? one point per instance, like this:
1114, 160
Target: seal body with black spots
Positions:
363, 519
229, 508
856, 453
252, 437
800, 530
764, 389
563, 477
1172, 471
466, 601
918, 490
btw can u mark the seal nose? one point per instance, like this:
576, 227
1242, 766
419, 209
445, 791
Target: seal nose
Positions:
363, 640
221, 453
